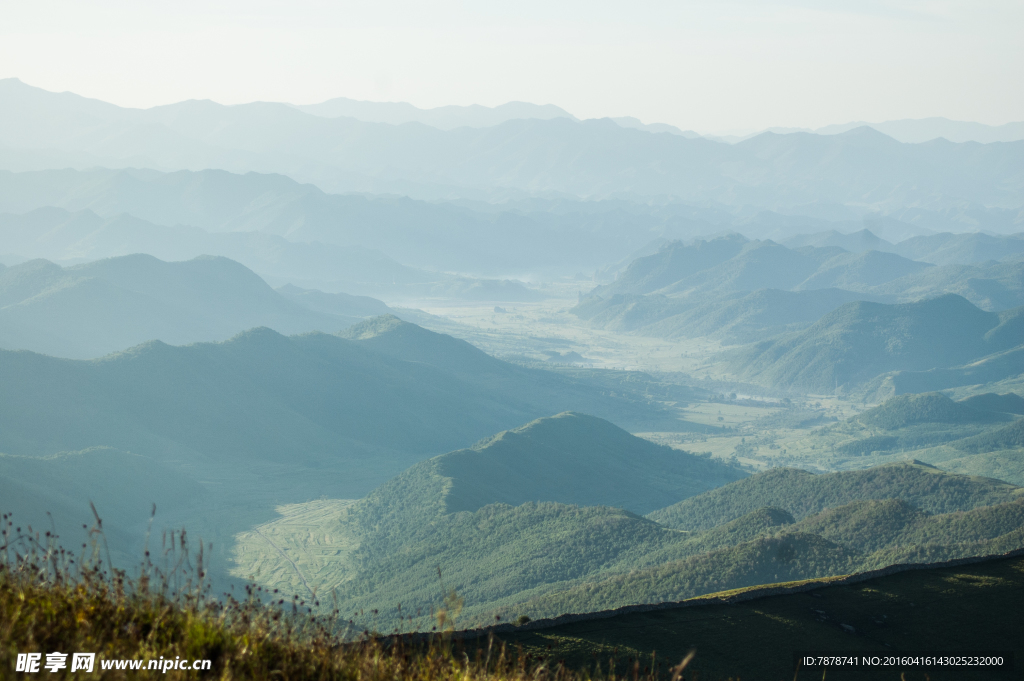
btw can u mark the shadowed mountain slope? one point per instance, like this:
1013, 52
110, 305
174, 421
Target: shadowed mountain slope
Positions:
569, 459
1010, 403
96, 308
262, 395
906, 410
767, 312
861, 340
964, 607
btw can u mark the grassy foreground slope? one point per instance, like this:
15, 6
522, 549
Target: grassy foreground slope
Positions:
160, 619
972, 608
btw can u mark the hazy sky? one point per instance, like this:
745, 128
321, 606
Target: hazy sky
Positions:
712, 66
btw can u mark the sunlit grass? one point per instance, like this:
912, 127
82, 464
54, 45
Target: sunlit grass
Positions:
53, 599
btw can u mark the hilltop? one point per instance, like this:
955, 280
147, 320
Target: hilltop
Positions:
973, 436
571, 459
766, 312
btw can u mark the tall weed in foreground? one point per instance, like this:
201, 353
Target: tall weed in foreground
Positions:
56, 600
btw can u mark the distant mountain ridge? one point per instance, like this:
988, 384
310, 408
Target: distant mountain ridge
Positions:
914, 130
595, 158
925, 129
270, 223
939, 249
733, 263
442, 117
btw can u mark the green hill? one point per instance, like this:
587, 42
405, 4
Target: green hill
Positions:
521, 524
861, 340
971, 247
1009, 437
975, 436
334, 303
989, 285
906, 410
868, 526
100, 307
855, 537
759, 264
801, 493
764, 560
524, 511
570, 459
754, 316
390, 336
1009, 403
263, 395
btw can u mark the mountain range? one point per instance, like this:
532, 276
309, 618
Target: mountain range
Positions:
945, 248
296, 233
738, 291
441, 117
262, 419
595, 158
74, 237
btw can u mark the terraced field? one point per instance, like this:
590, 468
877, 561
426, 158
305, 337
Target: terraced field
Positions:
305, 552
